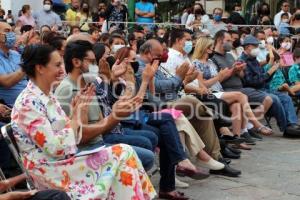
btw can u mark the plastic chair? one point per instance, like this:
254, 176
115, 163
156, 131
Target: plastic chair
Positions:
7, 135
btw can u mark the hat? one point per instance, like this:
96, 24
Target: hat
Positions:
250, 40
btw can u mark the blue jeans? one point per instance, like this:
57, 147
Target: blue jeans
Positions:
146, 156
140, 138
171, 149
285, 113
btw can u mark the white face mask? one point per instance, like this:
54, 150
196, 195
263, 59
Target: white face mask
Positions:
92, 74
205, 19
240, 12
262, 44
254, 52
116, 47
285, 21
47, 7
286, 45
9, 20
270, 40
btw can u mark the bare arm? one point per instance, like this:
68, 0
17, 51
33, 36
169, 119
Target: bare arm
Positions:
9, 80
11, 182
149, 14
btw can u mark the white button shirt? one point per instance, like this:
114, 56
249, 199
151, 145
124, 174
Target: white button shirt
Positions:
176, 59
277, 18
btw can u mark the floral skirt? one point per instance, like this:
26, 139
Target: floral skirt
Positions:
112, 173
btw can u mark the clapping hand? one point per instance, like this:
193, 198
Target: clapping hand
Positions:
150, 70
119, 68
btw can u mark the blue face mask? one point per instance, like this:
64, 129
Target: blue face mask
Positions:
188, 47
21, 48
10, 39
217, 18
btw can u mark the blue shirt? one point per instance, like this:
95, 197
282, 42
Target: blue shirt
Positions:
145, 7
47, 18
284, 28
166, 88
255, 76
9, 64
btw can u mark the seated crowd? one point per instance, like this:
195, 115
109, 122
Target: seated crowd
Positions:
90, 111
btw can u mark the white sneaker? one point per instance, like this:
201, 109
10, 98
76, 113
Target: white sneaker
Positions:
211, 164
180, 184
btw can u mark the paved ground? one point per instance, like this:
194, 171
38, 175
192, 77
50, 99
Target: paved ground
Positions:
270, 171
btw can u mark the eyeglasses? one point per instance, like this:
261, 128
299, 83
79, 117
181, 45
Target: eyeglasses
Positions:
90, 60
286, 5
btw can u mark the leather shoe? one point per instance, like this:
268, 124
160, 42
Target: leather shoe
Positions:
291, 131
232, 139
226, 153
236, 151
225, 161
227, 171
199, 174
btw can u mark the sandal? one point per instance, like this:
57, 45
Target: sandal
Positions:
242, 146
265, 131
176, 196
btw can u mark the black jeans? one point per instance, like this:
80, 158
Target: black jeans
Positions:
220, 108
50, 195
171, 149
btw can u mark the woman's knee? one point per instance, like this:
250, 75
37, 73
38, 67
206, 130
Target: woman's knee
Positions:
268, 100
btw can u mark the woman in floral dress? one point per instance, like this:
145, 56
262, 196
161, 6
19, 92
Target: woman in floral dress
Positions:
48, 140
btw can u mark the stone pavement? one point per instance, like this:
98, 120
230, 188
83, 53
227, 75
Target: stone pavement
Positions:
271, 171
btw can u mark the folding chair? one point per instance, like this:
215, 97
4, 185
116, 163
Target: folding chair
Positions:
268, 120
7, 134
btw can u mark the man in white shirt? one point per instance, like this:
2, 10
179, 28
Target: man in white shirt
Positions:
285, 8
178, 57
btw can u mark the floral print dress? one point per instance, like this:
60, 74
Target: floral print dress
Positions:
48, 148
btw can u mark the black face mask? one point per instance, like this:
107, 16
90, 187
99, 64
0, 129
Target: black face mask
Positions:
266, 23
135, 66
85, 9
265, 12
102, 13
210, 55
236, 43
111, 61
199, 12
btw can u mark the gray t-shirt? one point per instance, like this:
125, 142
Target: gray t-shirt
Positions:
65, 92
223, 61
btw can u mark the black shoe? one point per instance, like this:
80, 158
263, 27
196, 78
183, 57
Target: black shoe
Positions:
248, 139
225, 161
227, 171
291, 131
226, 153
236, 151
252, 132
232, 139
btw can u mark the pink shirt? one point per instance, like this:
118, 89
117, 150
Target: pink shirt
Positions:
287, 59
27, 20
